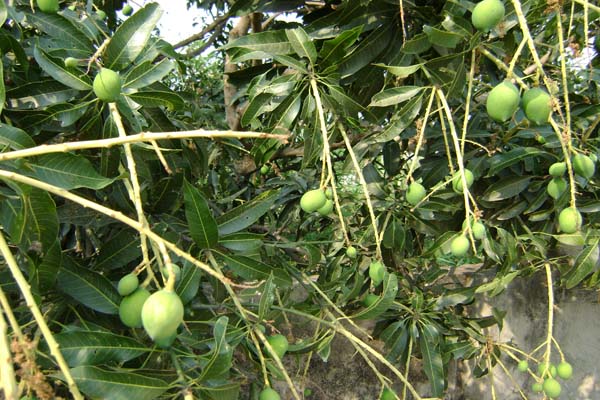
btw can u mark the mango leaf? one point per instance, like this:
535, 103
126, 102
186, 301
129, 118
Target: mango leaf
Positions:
396, 337
401, 71
267, 297
119, 250
501, 161
89, 288
393, 96
147, 73
71, 77
402, 119
67, 171
187, 286
442, 38
218, 362
384, 300
506, 188
39, 94
394, 235
418, 44
245, 215
61, 29
45, 273
157, 98
585, 263
131, 37
202, 225
117, 384
249, 268
270, 42
2, 87
333, 50
242, 241
228, 391
98, 347
368, 49
258, 105
302, 44
432, 359
3, 13
14, 138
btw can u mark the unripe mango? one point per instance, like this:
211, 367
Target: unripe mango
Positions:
502, 101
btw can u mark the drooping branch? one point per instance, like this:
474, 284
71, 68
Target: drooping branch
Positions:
216, 24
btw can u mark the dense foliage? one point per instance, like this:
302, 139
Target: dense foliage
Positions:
442, 161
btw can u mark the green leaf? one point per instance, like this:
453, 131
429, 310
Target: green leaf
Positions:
245, 215
394, 235
302, 44
267, 297
156, 98
393, 96
506, 188
418, 44
71, 77
67, 171
2, 87
218, 361
44, 274
3, 13
396, 337
401, 119
333, 50
270, 43
131, 37
118, 384
442, 38
119, 250
202, 224
228, 391
147, 73
585, 263
251, 269
243, 242
37, 95
97, 347
61, 29
89, 288
401, 71
501, 161
432, 359
384, 301
258, 105
368, 49
187, 286
14, 137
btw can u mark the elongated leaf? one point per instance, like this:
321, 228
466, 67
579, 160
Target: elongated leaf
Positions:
2, 87
61, 29
131, 37
267, 297
46, 272
367, 51
442, 38
68, 171
505, 160
384, 301
432, 359
256, 107
14, 137
585, 263
89, 288
228, 391
119, 250
402, 119
396, 337
147, 73
401, 71
100, 383
35, 95
249, 268
270, 42
302, 44
202, 224
506, 188
3, 13
218, 361
157, 98
189, 283
393, 96
71, 77
245, 215
40, 221
98, 347
242, 242
418, 44
335, 49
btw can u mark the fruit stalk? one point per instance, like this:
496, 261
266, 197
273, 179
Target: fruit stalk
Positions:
549, 334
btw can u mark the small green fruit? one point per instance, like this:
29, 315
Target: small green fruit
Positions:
478, 229
71, 62
268, 394
584, 166
162, 314
415, 193
176, 271
130, 309
351, 252
556, 187
370, 299
387, 394
537, 387
127, 10
327, 208
279, 343
312, 200
376, 272
542, 369
460, 246
537, 105
523, 366
101, 14
264, 169
48, 6
503, 101
487, 14
107, 85
569, 220
540, 139
128, 284
551, 388
329, 193
457, 180
564, 370
557, 169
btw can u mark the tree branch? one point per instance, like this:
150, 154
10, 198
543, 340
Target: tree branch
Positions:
217, 23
